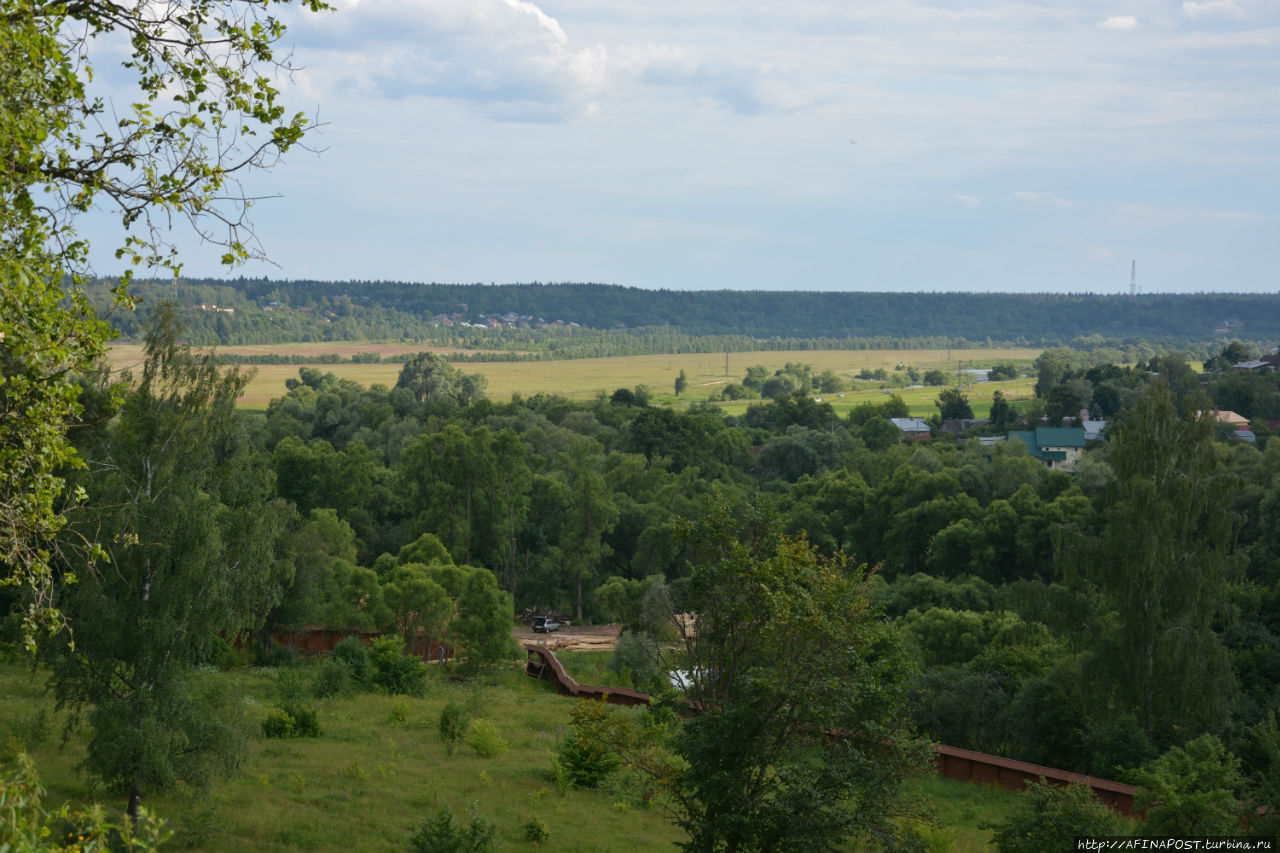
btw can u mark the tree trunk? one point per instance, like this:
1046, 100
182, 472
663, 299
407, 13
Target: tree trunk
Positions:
135, 802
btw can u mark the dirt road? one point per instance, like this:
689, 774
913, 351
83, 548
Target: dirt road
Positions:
573, 638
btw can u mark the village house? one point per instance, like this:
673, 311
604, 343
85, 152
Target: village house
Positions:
1057, 447
913, 428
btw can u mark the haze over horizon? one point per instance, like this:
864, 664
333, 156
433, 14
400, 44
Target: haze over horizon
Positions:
897, 146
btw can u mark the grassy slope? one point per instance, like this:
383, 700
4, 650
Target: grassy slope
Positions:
370, 779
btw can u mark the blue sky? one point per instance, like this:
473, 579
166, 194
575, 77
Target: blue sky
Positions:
770, 144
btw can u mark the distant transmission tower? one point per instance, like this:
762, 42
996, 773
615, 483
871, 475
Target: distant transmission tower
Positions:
1133, 279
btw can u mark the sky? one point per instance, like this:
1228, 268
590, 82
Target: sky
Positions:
971, 145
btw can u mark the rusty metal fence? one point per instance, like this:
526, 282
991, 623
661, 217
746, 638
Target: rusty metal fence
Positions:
963, 765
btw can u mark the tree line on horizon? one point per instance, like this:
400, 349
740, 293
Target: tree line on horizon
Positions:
270, 311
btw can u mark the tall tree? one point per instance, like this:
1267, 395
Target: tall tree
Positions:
953, 405
204, 111
184, 509
591, 514
443, 471
1163, 563
506, 502
438, 384
800, 743
1003, 416
47, 336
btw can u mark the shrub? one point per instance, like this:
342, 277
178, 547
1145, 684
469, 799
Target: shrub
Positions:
32, 731
274, 655
333, 678
536, 832
399, 713
453, 725
296, 721
586, 761
355, 656
395, 671
1190, 790
291, 686
1047, 814
225, 656
637, 653
440, 833
279, 723
306, 723
483, 738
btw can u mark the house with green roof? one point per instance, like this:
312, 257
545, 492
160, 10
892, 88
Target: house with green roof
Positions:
1056, 447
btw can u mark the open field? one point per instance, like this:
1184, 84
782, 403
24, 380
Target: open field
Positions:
379, 769
586, 377
919, 400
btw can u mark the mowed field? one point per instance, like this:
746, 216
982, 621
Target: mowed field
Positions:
586, 377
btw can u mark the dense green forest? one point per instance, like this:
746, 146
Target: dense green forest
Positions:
566, 319
989, 561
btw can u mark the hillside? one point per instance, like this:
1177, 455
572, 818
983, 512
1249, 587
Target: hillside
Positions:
244, 311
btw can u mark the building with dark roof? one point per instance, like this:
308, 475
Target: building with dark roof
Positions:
1056, 447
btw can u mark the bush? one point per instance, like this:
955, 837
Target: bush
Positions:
1190, 790
395, 671
1047, 815
440, 833
274, 655
297, 721
536, 832
279, 723
483, 738
291, 686
306, 723
225, 656
638, 653
355, 656
333, 678
586, 761
453, 725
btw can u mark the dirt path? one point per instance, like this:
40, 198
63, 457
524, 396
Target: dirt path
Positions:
573, 638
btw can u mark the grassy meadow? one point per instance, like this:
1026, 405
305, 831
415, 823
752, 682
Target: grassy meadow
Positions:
586, 377
379, 768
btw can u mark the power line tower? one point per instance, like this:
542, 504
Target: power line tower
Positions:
1133, 279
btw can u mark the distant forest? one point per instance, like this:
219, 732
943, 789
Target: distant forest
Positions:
536, 316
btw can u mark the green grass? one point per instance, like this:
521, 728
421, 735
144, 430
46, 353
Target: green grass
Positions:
588, 667
961, 811
920, 401
371, 778
367, 781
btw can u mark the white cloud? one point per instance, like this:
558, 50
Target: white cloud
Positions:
506, 55
1212, 9
1119, 22
1041, 199
517, 62
969, 201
